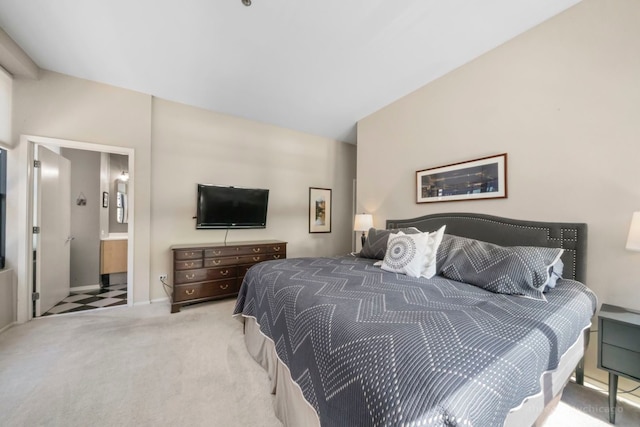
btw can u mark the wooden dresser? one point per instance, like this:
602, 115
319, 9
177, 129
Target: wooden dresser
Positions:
206, 272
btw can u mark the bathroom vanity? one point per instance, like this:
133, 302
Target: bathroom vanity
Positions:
113, 257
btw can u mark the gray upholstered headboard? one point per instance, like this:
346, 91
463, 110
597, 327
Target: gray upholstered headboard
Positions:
572, 237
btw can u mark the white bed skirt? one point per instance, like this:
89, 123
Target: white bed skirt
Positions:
294, 411
289, 405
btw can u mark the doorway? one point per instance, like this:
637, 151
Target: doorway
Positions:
85, 266
27, 266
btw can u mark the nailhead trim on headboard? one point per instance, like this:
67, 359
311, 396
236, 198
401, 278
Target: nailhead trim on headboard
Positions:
572, 237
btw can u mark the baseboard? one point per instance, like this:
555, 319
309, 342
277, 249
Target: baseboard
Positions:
139, 303
8, 326
153, 301
84, 288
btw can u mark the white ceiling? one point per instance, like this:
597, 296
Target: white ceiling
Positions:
313, 66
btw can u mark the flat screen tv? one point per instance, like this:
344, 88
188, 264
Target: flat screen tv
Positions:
231, 207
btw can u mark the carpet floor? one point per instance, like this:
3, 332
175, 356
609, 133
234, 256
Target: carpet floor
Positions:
143, 366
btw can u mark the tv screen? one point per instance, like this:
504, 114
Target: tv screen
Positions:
231, 207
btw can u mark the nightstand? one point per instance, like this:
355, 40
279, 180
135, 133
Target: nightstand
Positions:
618, 348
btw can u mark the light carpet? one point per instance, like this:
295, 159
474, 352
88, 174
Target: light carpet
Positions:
144, 366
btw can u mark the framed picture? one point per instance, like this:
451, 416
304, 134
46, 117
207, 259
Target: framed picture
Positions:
484, 178
319, 210
105, 199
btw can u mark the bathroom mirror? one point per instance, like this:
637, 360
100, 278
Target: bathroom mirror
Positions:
121, 201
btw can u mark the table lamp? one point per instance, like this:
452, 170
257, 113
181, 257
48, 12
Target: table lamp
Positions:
363, 222
633, 240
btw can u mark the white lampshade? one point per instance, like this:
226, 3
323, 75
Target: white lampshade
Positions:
363, 222
633, 241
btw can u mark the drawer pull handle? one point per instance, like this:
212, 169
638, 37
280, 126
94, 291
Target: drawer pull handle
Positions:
276, 248
256, 250
224, 286
217, 252
256, 258
216, 261
188, 264
276, 257
190, 291
224, 273
190, 276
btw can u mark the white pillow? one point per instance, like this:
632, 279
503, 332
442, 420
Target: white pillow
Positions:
413, 254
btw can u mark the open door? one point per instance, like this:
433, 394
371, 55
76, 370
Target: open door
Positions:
53, 240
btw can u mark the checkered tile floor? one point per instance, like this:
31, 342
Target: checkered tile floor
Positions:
88, 300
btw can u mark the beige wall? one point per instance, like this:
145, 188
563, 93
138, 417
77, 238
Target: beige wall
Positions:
192, 146
64, 107
189, 146
563, 100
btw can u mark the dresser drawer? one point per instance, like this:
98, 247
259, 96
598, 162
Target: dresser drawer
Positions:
621, 335
252, 259
187, 254
221, 251
202, 274
242, 270
204, 290
190, 276
222, 273
621, 360
219, 262
279, 248
186, 265
252, 250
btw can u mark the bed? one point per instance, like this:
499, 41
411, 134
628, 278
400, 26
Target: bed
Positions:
346, 343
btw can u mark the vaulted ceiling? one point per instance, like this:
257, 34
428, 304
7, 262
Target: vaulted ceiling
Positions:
313, 66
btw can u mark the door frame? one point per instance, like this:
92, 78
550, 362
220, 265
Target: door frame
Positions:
25, 215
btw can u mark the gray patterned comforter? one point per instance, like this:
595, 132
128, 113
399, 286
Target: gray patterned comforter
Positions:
372, 348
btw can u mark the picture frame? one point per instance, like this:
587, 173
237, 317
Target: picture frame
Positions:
319, 210
483, 178
105, 199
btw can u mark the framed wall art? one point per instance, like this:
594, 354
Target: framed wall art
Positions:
484, 178
319, 210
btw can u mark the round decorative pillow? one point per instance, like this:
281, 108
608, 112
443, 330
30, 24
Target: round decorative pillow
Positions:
400, 252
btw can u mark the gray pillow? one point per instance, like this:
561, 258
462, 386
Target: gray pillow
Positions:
376, 244
514, 270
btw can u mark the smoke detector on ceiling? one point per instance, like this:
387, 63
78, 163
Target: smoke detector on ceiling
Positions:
246, 2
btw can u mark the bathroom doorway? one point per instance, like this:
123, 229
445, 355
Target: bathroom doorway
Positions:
100, 197
96, 243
